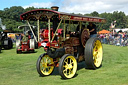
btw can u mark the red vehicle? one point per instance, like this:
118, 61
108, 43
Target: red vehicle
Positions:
69, 48
44, 37
27, 43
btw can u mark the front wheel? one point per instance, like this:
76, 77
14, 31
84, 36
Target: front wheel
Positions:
93, 53
45, 65
67, 66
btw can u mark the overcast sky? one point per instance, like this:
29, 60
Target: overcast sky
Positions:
70, 6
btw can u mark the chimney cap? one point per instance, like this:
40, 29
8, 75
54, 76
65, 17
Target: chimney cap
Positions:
55, 8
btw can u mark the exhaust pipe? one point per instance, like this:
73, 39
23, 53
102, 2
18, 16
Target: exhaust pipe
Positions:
55, 8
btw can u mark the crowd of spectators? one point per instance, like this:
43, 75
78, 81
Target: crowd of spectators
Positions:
115, 38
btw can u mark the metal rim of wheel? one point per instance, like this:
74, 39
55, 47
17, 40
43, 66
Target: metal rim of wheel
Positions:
97, 53
68, 66
44, 62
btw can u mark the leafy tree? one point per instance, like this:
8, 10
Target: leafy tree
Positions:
29, 9
11, 18
95, 14
13, 13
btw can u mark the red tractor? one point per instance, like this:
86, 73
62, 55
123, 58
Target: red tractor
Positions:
26, 44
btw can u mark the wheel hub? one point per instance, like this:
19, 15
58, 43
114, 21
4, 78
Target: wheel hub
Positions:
69, 66
45, 65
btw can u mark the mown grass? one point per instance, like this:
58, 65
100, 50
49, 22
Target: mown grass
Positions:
20, 69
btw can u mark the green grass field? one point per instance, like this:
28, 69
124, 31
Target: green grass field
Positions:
20, 69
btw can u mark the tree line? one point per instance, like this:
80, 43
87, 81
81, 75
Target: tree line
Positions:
11, 18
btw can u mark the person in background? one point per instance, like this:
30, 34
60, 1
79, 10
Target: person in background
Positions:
92, 29
120, 37
25, 37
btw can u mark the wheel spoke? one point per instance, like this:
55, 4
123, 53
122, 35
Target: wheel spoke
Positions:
70, 61
49, 68
71, 71
65, 71
65, 66
48, 59
66, 62
42, 63
43, 69
42, 60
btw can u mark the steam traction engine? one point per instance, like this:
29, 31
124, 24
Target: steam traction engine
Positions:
5, 41
69, 48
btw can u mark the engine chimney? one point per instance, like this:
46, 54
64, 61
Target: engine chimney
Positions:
55, 8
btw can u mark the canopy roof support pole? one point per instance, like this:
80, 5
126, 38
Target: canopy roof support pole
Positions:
38, 27
56, 30
32, 30
80, 26
64, 29
49, 30
69, 25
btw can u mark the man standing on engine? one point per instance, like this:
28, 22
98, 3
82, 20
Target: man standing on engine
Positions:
92, 29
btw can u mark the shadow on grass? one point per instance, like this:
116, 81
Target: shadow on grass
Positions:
80, 65
29, 52
14, 48
83, 65
7, 48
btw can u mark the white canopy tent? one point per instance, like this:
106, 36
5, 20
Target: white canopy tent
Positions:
123, 30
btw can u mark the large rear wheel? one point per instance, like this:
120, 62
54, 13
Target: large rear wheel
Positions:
93, 53
45, 65
67, 66
32, 44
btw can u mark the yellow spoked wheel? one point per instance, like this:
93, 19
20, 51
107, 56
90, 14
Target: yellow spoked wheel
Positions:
45, 65
93, 53
67, 66
97, 53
